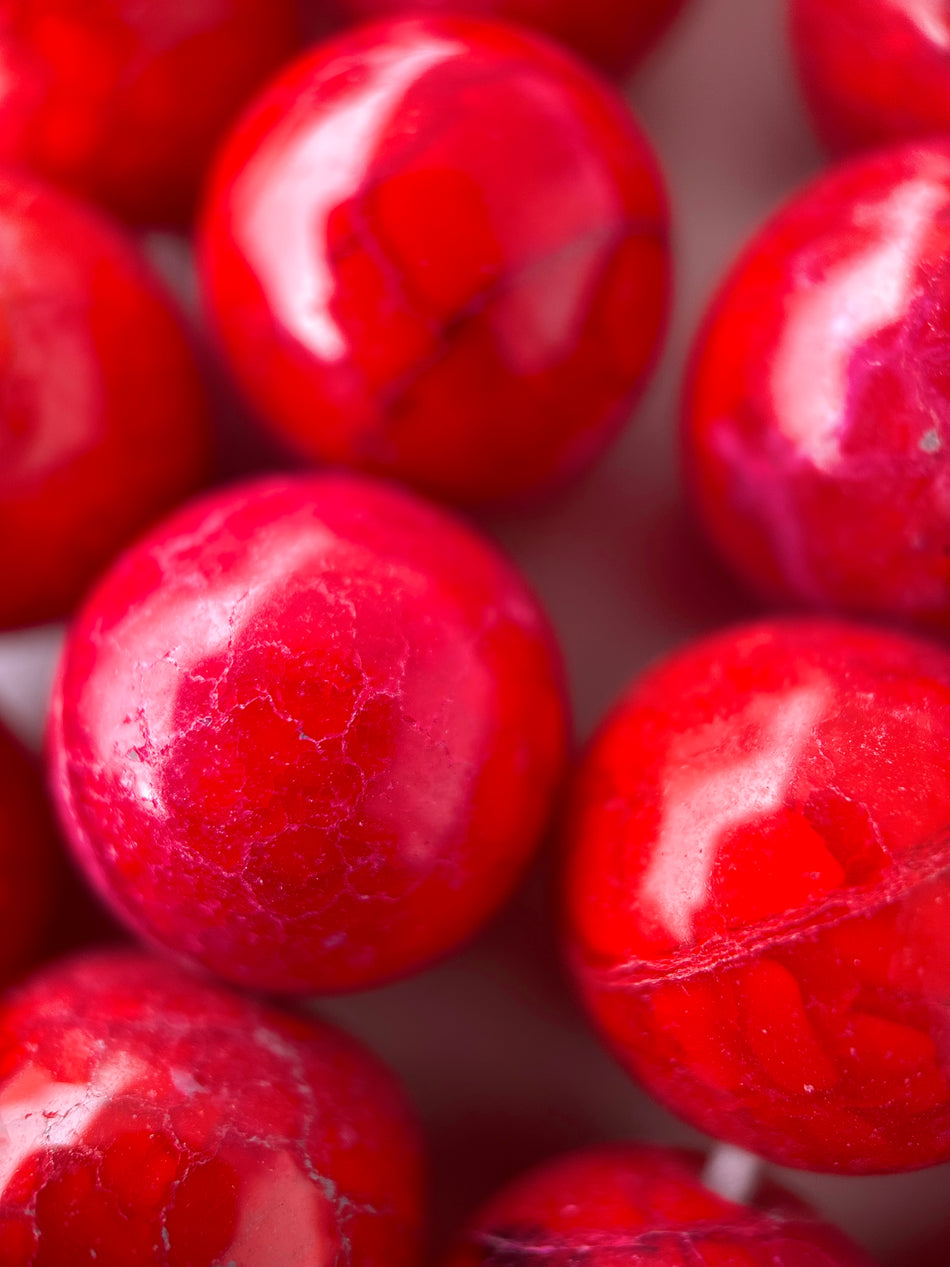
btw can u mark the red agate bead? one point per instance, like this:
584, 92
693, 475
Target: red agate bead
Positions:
619, 1205
816, 427
31, 872
307, 733
873, 71
613, 34
103, 419
437, 248
757, 890
149, 1118
123, 101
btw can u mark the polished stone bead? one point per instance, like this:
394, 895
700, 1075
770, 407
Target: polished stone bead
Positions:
149, 1117
307, 733
816, 428
104, 423
757, 885
437, 249
124, 101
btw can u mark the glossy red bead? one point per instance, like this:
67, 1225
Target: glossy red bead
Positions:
613, 34
622, 1205
103, 419
437, 249
31, 872
153, 1119
816, 426
307, 733
123, 101
873, 71
757, 891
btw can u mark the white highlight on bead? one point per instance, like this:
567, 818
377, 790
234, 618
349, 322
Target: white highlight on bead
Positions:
732, 1173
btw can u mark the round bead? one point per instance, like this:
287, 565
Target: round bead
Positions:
31, 872
757, 890
873, 71
816, 428
123, 101
618, 1205
307, 733
437, 249
103, 419
613, 34
151, 1118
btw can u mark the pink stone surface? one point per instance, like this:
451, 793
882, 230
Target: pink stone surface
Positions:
152, 1119
307, 734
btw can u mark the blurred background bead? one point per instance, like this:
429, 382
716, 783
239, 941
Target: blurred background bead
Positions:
123, 101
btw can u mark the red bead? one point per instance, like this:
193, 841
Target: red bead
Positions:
816, 425
308, 732
613, 34
873, 71
618, 1205
150, 1118
103, 418
31, 872
437, 249
123, 101
758, 886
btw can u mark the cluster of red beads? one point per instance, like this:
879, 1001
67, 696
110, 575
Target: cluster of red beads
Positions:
308, 730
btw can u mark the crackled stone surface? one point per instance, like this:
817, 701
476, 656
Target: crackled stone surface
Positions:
307, 733
31, 872
873, 71
757, 891
613, 34
151, 1119
816, 424
622, 1205
437, 248
103, 418
123, 101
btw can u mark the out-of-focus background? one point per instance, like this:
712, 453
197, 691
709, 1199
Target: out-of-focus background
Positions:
491, 1044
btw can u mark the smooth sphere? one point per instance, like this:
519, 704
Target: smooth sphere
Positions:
307, 733
152, 1118
623, 1205
757, 886
437, 249
873, 71
816, 421
104, 423
123, 101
